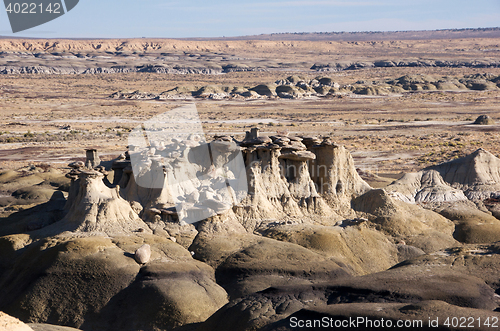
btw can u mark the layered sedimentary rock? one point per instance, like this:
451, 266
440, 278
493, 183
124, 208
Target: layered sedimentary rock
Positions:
295, 176
464, 190
308, 236
92, 207
423, 187
296, 87
475, 177
285, 177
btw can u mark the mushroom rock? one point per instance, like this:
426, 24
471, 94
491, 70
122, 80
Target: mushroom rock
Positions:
147, 197
256, 141
118, 166
97, 209
302, 188
310, 141
76, 165
298, 156
276, 178
197, 179
280, 180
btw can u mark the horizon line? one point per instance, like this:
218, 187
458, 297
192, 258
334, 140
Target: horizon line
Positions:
246, 37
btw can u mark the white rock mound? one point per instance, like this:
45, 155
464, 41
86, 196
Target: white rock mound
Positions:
94, 208
477, 174
475, 177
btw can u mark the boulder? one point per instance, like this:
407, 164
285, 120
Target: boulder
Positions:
94, 208
143, 254
484, 120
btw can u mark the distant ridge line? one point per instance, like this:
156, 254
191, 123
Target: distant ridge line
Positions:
464, 33
492, 32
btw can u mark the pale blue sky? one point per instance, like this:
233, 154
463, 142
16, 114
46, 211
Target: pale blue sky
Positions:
181, 19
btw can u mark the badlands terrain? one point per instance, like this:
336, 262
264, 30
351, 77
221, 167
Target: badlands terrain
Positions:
371, 162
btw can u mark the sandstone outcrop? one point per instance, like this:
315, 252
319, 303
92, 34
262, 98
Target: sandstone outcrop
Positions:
475, 177
295, 87
462, 190
308, 236
92, 207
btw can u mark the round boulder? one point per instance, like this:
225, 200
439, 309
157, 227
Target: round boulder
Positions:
143, 254
484, 120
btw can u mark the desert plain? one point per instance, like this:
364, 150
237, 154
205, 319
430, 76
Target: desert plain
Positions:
406, 126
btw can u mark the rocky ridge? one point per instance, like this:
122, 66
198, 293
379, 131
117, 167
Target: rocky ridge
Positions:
166, 56
310, 238
296, 87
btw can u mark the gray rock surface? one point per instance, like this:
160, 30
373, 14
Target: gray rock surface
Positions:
143, 254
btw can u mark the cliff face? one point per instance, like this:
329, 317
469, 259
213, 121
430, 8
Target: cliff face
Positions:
277, 177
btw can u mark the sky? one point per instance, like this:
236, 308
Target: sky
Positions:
195, 18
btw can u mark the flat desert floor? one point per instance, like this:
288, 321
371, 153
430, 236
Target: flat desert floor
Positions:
54, 118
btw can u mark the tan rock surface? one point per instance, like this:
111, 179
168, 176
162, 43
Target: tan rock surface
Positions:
9, 323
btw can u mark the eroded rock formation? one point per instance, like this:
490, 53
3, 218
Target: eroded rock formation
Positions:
309, 237
94, 208
464, 190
